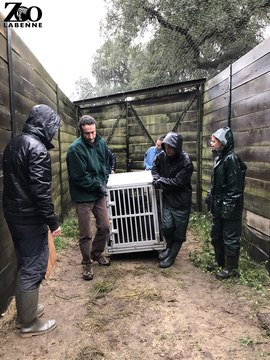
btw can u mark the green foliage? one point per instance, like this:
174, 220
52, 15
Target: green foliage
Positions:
69, 232
155, 43
200, 225
252, 274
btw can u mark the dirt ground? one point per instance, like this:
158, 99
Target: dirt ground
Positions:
134, 310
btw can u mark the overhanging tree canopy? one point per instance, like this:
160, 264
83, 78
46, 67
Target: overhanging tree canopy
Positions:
157, 42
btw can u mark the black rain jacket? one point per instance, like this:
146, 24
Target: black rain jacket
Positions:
174, 174
228, 179
27, 171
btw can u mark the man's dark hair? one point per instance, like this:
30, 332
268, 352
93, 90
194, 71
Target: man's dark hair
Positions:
86, 120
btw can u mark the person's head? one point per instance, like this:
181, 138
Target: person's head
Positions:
222, 139
172, 144
216, 144
88, 128
42, 121
158, 142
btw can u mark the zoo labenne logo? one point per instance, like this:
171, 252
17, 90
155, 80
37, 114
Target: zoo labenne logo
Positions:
21, 16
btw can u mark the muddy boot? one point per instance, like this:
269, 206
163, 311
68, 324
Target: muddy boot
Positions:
88, 273
166, 252
230, 269
31, 325
219, 259
175, 248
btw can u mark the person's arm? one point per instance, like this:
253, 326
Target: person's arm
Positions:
79, 171
148, 159
156, 168
113, 162
181, 178
235, 184
39, 167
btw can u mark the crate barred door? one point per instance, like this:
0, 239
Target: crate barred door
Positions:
134, 213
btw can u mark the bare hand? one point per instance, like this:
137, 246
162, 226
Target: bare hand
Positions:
56, 232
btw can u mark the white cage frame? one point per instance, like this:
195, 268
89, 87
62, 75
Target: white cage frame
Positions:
134, 209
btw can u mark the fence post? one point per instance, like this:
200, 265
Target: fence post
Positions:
230, 97
10, 80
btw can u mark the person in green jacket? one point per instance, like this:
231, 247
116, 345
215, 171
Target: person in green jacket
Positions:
225, 200
87, 164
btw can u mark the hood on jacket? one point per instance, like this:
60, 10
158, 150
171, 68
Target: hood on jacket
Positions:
174, 140
43, 122
225, 136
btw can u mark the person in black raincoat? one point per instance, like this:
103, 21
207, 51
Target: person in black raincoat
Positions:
225, 201
29, 212
172, 171
112, 162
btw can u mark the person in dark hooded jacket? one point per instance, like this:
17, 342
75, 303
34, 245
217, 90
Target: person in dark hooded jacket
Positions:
29, 212
225, 201
172, 171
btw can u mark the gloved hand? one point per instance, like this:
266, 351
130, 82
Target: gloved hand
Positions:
157, 184
103, 190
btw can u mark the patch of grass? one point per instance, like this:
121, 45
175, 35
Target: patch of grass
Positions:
246, 341
70, 226
200, 227
252, 274
70, 231
103, 287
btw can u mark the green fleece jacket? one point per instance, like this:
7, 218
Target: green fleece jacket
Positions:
87, 166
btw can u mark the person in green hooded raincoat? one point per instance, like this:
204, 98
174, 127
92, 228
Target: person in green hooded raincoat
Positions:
225, 200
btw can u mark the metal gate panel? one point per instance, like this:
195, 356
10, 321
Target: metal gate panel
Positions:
133, 212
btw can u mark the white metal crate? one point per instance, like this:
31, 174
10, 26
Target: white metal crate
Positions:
133, 212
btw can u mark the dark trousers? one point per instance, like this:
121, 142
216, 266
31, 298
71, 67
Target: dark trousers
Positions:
86, 226
32, 252
174, 224
227, 233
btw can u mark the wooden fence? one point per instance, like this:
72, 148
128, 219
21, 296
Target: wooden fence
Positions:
239, 97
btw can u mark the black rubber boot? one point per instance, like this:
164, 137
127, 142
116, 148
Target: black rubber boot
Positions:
18, 321
230, 269
40, 312
31, 325
175, 248
166, 252
219, 259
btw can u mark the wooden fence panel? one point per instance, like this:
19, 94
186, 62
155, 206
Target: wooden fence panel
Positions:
244, 106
